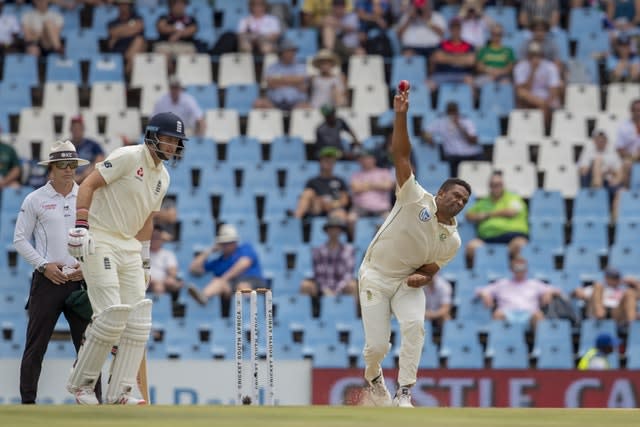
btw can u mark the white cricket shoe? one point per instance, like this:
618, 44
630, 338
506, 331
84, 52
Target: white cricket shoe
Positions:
127, 399
378, 393
403, 398
85, 396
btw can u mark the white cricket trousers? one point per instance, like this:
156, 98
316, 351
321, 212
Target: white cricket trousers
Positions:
380, 297
114, 273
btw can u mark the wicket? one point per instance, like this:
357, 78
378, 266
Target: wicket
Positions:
253, 307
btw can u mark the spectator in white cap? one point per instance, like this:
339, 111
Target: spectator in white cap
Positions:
234, 264
182, 104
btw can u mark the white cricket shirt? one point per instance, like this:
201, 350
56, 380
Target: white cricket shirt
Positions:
46, 217
411, 236
135, 188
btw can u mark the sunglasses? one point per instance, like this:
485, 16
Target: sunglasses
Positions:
73, 164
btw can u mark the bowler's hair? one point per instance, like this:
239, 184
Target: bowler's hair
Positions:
455, 181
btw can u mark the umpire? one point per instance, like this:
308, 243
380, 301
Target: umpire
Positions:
45, 216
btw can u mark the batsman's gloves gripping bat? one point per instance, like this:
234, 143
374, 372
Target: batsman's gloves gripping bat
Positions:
80, 243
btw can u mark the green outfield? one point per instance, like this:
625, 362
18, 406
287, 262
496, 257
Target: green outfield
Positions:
317, 416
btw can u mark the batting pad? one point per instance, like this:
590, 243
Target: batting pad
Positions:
130, 351
103, 332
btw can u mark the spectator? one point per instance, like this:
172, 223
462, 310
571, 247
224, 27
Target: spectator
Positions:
596, 358
438, 300
614, 298
236, 267
184, 105
518, 299
126, 33
41, 27
287, 81
371, 188
314, 12
501, 218
540, 35
167, 217
10, 170
328, 134
539, 10
333, 264
495, 61
9, 30
457, 136
628, 142
327, 87
164, 266
176, 30
258, 32
629, 10
454, 60
623, 65
325, 194
421, 29
382, 152
372, 15
340, 30
600, 167
537, 83
475, 25
87, 149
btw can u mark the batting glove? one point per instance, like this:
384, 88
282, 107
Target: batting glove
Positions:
80, 243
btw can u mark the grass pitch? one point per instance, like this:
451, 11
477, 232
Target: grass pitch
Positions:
308, 416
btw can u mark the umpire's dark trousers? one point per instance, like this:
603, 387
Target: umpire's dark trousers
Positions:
46, 303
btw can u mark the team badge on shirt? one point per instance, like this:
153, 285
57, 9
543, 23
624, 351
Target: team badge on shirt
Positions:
158, 187
424, 215
443, 237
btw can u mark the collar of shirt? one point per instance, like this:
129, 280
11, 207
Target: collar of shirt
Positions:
51, 192
450, 228
148, 158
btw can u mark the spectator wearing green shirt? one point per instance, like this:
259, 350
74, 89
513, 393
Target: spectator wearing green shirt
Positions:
500, 218
9, 167
494, 62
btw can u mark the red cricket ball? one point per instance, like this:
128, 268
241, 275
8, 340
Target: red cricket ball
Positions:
403, 86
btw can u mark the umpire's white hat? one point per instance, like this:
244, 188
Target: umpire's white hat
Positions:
63, 150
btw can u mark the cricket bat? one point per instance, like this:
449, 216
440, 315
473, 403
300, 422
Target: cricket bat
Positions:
143, 384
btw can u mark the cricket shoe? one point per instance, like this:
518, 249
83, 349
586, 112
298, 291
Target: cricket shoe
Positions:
128, 399
378, 393
403, 398
85, 396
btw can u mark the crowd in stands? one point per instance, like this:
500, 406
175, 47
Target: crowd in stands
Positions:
287, 107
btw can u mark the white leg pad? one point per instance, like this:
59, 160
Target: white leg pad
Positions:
130, 351
103, 332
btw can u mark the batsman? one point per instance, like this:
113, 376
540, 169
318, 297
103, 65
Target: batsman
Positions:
114, 223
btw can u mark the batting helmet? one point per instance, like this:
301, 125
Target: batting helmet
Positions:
167, 124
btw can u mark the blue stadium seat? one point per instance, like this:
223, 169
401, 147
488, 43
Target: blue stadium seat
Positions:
510, 355
102, 15
492, 259
82, 45
547, 205
11, 350
583, 20
284, 231
432, 174
539, 258
161, 309
236, 204
455, 332
426, 153
61, 350
248, 228
466, 230
15, 96
555, 355
294, 308
625, 257
20, 68
462, 94
502, 332
316, 332
4, 119
487, 125
633, 346
217, 179
200, 150
205, 95
547, 233
63, 69
412, 68
12, 303
505, 16
629, 207
12, 198
305, 38
561, 39
106, 67
329, 356
241, 97
497, 97
591, 204
286, 149
466, 355
635, 176
196, 228
244, 151
365, 229
472, 309
590, 329
583, 259
277, 203
590, 233
150, 16
263, 178
299, 174
592, 43
341, 308
627, 231
551, 331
